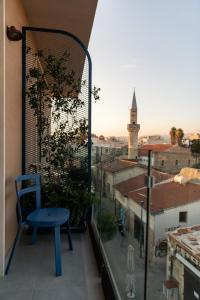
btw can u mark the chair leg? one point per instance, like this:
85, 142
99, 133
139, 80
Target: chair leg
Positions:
69, 236
19, 231
34, 235
57, 251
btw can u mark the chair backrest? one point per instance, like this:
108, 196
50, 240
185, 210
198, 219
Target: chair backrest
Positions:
35, 187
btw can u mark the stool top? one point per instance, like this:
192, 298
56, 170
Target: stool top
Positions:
48, 217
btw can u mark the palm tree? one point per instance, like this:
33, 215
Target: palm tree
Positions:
173, 135
179, 136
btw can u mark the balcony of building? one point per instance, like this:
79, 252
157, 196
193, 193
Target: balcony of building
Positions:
32, 271
124, 252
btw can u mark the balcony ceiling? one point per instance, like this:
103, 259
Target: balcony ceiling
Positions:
73, 16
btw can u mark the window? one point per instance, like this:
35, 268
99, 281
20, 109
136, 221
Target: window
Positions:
176, 162
182, 216
162, 163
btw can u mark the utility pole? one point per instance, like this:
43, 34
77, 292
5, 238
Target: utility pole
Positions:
141, 228
149, 187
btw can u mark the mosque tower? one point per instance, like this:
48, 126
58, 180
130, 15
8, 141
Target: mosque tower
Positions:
133, 129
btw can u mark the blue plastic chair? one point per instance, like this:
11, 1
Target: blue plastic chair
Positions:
41, 217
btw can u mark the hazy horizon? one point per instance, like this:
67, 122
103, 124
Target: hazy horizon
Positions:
164, 135
153, 46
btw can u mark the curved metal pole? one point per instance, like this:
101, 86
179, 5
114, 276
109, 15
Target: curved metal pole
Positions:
81, 44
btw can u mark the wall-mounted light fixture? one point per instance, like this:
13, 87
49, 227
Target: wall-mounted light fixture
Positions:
13, 34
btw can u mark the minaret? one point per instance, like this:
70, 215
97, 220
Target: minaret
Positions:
133, 129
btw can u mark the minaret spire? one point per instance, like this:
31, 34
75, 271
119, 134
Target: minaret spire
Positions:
134, 103
133, 129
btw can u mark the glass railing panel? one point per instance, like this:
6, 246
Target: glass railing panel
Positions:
121, 222
152, 52
175, 208
155, 205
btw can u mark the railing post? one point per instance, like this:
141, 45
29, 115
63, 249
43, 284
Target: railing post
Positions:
147, 226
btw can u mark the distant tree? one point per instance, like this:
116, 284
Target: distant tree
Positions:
195, 146
173, 135
195, 149
179, 136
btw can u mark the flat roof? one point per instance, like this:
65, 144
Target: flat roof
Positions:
188, 239
118, 165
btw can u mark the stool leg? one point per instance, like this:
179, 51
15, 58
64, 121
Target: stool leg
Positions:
69, 236
58, 251
34, 235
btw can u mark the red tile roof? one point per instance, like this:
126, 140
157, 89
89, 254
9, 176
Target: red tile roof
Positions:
118, 165
168, 195
143, 150
139, 181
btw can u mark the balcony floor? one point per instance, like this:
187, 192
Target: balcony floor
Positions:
31, 275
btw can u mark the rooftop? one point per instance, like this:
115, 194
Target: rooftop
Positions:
188, 239
168, 195
143, 150
191, 174
138, 182
119, 165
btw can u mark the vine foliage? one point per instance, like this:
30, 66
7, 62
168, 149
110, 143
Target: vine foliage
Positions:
54, 94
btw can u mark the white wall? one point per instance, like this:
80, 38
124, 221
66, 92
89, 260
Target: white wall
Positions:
144, 160
170, 218
128, 173
120, 198
2, 137
134, 207
115, 178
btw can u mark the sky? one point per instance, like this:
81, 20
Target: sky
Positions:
154, 47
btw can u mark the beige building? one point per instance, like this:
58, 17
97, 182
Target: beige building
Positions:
115, 172
18, 13
153, 139
183, 263
166, 157
106, 150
